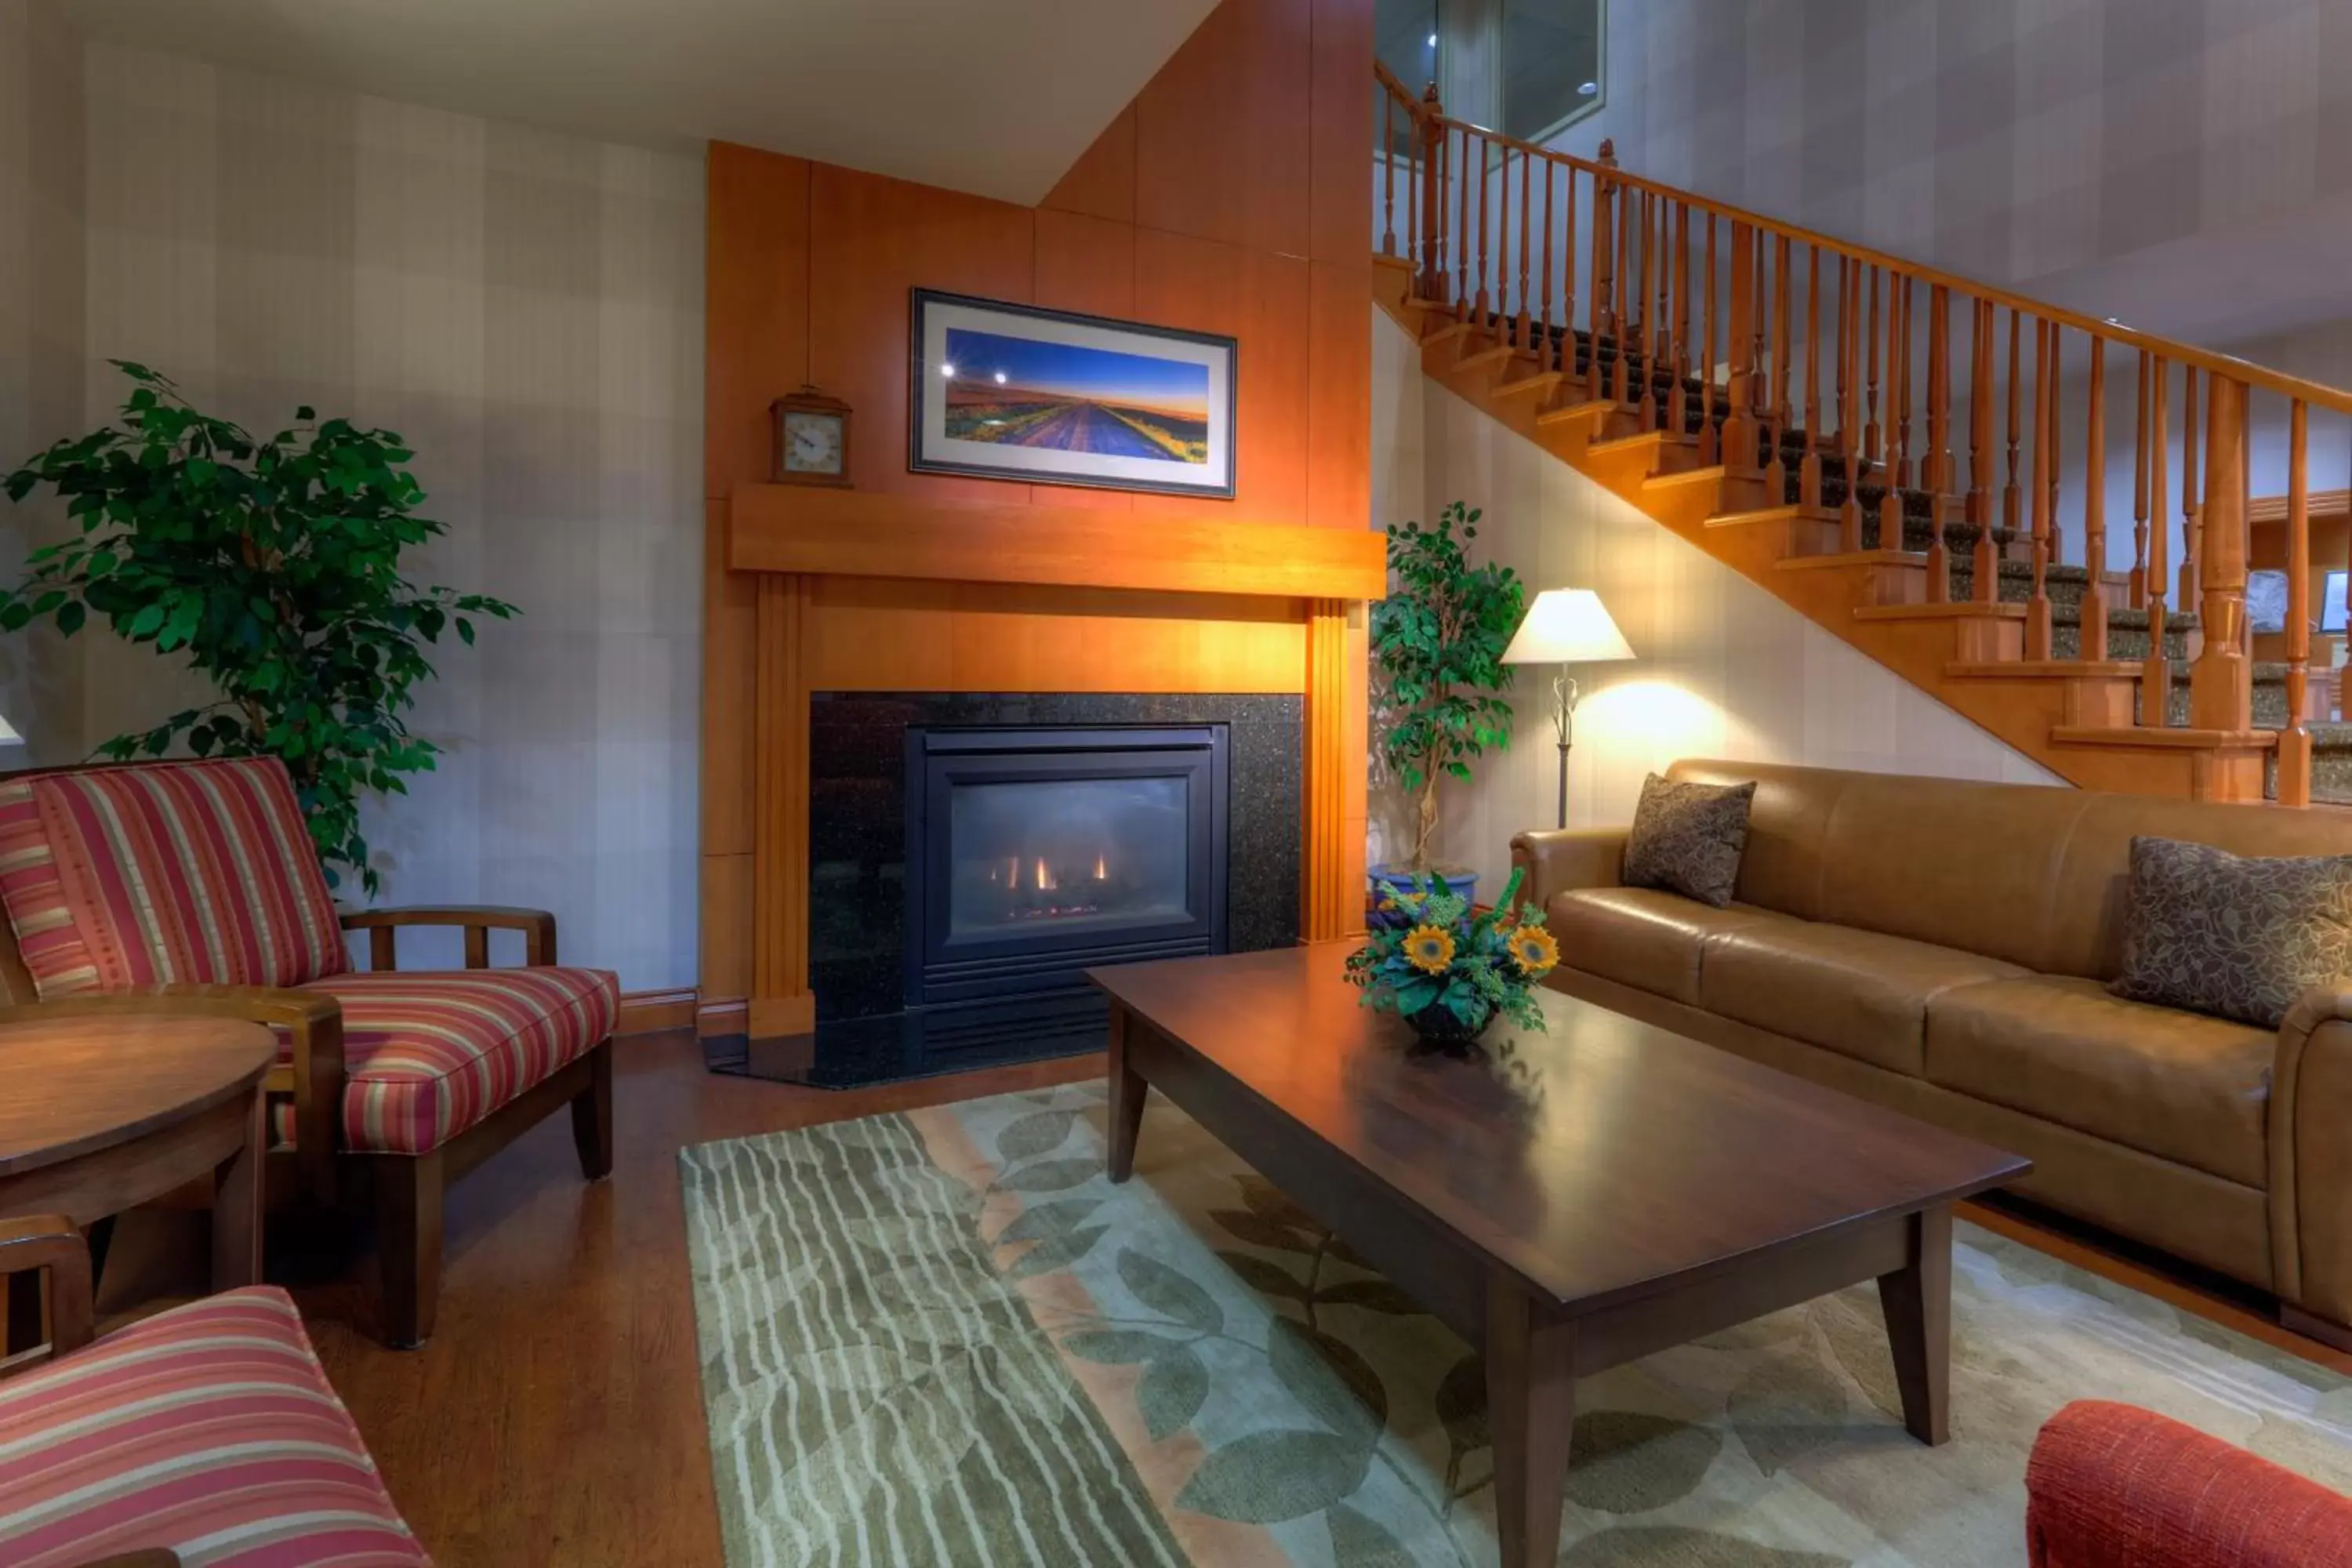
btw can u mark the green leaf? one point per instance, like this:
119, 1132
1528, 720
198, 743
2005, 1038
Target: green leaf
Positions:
1360, 1542
70, 617
1268, 1477
1260, 1231
1040, 1221
1372, 1295
1051, 1176
1059, 1252
1173, 1387
1115, 1347
1040, 1132
1169, 1293
1334, 1383
1264, 1276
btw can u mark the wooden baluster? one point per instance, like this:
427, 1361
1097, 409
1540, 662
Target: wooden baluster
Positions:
2192, 514
2220, 690
1739, 423
1678, 405
1808, 468
1388, 172
2010, 495
1768, 370
1462, 232
1985, 561
1783, 411
1567, 364
1430, 213
1849, 399
2295, 740
1710, 436
2094, 509
1526, 211
1605, 281
2037, 608
2139, 491
2156, 675
1625, 320
1474, 160
1870, 389
1665, 336
1897, 473
1544, 354
1646, 330
2057, 379
1931, 466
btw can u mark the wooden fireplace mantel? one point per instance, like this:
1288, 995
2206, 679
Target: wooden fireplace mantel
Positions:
811, 549
854, 534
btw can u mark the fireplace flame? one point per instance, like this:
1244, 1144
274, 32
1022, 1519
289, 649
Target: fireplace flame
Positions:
1046, 882
1101, 870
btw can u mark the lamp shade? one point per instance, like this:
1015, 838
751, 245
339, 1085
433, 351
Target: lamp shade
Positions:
1567, 625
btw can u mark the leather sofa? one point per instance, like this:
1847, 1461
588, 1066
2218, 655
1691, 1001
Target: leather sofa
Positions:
1943, 947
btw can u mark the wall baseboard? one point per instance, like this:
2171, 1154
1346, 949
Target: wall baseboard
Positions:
722, 1016
651, 1012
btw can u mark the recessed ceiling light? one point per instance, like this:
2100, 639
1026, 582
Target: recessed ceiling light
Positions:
1433, 40
948, 371
1588, 89
1000, 378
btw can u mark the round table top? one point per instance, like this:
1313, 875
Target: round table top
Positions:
79, 1085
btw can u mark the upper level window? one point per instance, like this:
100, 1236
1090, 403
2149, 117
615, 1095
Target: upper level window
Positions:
1553, 60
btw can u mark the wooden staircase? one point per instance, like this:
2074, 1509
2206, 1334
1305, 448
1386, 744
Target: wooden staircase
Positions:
1807, 434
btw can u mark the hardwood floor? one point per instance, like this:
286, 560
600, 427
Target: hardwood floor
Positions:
556, 1416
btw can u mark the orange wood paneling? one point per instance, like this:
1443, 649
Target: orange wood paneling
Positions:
726, 929
872, 240
1261, 300
755, 305
780, 856
1101, 184
845, 533
1339, 446
1340, 132
1221, 132
727, 667
1086, 264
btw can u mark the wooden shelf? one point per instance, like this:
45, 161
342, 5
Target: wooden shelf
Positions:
859, 533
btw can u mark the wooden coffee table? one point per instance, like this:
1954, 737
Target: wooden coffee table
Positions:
1567, 1201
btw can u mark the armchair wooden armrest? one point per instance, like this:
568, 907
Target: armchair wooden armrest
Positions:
537, 928
50, 1241
312, 1019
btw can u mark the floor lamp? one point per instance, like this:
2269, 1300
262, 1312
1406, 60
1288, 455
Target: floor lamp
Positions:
1565, 626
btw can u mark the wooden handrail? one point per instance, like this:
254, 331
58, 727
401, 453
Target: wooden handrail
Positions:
2242, 370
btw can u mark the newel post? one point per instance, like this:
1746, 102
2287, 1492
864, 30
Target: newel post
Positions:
1430, 136
2221, 686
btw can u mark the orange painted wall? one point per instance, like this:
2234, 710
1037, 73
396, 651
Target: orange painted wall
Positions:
1232, 195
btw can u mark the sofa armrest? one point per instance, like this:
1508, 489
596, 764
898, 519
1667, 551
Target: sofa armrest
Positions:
313, 1021
51, 1242
478, 920
2310, 1158
1557, 860
2110, 1485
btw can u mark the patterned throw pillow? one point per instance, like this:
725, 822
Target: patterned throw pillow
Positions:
1686, 839
2212, 932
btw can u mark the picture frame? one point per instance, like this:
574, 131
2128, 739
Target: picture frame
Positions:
1037, 396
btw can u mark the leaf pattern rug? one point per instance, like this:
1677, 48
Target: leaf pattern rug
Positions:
944, 1338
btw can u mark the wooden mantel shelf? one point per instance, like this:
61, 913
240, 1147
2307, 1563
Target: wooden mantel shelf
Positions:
857, 533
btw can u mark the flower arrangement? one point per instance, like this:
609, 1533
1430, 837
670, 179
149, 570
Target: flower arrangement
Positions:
1447, 970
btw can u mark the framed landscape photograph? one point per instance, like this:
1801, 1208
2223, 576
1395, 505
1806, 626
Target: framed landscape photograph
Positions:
1014, 392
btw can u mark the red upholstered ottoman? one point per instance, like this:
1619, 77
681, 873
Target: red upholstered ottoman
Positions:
2113, 1486
210, 1430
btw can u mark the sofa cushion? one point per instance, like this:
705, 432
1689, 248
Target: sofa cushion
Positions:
1639, 936
1859, 993
208, 1429
2178, 1085
429, 1053
2238, 937
197, 873
1686, 839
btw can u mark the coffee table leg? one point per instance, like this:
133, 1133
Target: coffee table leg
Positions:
237, 1206
1531, 1410
1128, 1091
1918, 1302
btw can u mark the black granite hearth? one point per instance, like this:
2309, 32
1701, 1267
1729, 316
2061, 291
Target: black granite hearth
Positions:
866, 1031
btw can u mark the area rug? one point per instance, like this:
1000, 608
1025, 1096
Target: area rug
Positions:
943, 1337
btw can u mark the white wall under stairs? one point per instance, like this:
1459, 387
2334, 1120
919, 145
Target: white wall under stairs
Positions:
1724, 668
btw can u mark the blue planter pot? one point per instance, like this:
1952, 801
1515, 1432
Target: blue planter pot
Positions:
1458, 878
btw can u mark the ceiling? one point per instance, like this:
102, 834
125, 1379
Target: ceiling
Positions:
996, 97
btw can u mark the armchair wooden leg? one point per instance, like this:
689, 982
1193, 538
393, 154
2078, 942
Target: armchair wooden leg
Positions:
408, 1245
592, 1115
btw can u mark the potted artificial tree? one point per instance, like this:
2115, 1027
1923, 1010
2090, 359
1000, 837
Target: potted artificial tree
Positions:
1439, 676
273, 567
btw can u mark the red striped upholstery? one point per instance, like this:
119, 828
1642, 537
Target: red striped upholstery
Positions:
429, 1053
194, 872
209, 1429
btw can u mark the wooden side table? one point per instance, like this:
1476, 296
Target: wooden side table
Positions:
99, 1115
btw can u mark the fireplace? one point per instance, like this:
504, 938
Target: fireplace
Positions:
1034, 853
970, 854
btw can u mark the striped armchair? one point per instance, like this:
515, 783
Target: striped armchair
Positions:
205, 1435
191, 887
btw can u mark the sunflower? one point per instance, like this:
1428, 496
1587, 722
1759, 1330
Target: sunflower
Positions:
1429, 949
1534, 949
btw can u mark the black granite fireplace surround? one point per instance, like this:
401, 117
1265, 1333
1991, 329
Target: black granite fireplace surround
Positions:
1146, 802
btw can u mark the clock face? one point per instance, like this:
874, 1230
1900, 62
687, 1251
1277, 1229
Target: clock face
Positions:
813, 442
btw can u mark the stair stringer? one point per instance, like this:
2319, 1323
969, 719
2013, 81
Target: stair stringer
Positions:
2077, 721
